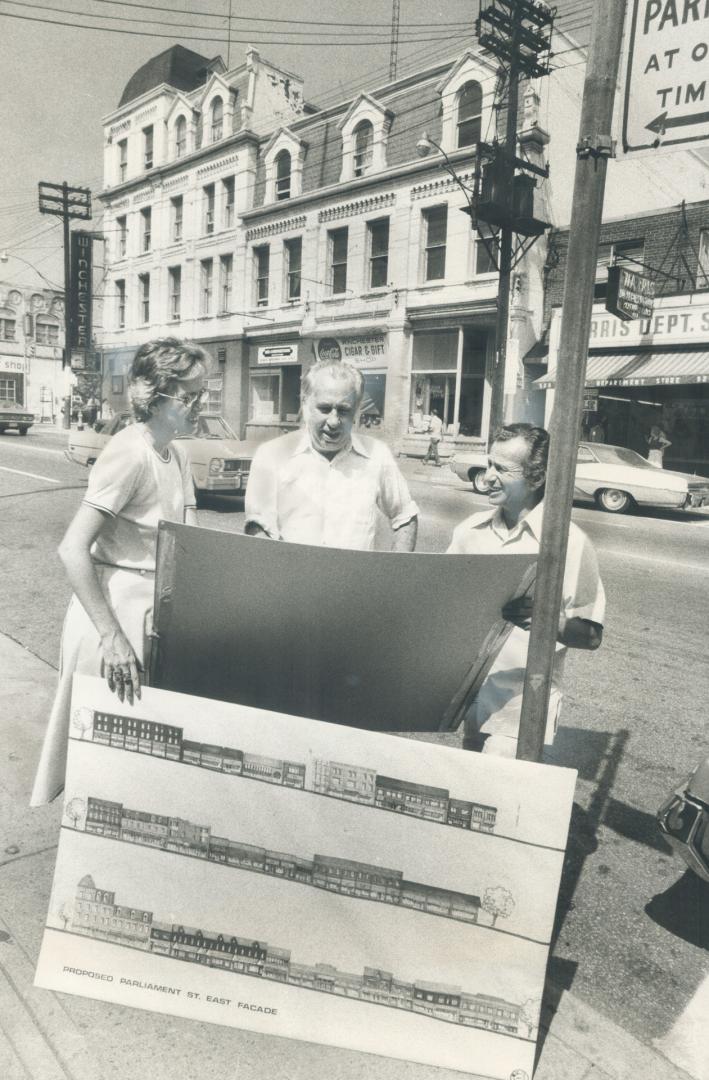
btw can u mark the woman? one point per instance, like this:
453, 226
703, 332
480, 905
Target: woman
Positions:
109, 548
657, 443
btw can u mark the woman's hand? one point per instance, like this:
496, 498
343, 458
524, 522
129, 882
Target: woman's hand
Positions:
120, 665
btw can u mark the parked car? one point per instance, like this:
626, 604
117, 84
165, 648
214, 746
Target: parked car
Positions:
14, 416
220, 461
615, 478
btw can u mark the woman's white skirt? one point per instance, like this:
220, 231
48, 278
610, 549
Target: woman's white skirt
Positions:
130, 595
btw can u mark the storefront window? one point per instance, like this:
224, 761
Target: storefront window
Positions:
472, 384
275, 395
265, 395
433, 377
372, 411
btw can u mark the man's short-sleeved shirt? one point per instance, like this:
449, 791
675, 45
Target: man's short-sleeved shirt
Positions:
296, 494
137, 489
499, 701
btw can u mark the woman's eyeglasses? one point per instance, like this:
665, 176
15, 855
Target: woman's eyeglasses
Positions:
188, 400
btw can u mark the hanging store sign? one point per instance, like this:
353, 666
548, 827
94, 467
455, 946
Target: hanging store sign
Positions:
665, 88
630, 293
361, 350
80, 294
277, 354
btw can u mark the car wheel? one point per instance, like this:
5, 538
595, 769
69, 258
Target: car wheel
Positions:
477, 479
24, 429
613, 501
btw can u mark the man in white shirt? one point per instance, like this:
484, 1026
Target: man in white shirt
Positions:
435, 434
324, 484
516, 474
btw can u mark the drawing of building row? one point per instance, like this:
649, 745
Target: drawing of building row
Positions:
346, 877
337, 780
95, 913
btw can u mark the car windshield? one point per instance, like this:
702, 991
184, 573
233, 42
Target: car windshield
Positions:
619, 455
212, 427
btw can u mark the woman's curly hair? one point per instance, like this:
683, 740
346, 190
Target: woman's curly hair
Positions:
158, 367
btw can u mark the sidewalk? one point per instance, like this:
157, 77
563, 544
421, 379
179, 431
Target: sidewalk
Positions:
49, 1036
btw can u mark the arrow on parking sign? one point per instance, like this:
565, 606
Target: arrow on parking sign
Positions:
660, 124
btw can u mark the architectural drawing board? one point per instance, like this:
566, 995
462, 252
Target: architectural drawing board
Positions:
286, 876
377, 640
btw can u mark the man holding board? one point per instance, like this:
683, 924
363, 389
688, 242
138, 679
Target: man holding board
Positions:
322, 485
516, 476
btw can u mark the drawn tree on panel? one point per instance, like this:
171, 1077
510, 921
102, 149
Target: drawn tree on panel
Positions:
75, 811
82, 720
529, 1014
498, 902
65, 912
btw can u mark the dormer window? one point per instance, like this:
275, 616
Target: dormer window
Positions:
180, 136
469, 121
363, 147
283, 170
217, 119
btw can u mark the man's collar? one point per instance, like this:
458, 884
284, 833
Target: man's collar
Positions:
532, 520
356, 443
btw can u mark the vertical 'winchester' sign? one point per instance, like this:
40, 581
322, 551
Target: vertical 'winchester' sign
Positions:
80, 293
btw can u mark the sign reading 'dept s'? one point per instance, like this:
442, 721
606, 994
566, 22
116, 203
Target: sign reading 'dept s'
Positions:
666, 81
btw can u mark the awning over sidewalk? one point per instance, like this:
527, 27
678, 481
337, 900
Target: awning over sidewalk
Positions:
641, 369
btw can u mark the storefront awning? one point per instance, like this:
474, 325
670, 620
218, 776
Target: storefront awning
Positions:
641, 369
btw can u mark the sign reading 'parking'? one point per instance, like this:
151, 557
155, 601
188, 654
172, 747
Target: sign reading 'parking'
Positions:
666, 83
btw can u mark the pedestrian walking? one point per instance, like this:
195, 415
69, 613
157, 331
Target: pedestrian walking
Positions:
435, 434
657, 443
140, 478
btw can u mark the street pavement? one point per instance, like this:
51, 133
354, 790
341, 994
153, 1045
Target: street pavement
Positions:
627, 990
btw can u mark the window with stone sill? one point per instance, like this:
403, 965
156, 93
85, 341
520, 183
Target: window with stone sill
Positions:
148, 147
217, 122
363, 147
337, 251
180, 136
283, 175
294, 257
469, 102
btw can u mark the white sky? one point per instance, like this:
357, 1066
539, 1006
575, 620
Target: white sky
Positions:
57, 82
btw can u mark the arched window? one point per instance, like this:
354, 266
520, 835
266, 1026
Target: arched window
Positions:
363, 146
470, 106
217, 119
283, 171
180, 136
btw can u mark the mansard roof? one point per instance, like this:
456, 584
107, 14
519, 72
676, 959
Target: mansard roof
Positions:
177, 66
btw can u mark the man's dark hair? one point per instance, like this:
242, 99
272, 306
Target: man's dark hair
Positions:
537, 439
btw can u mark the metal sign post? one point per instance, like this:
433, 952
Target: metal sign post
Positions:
593, 150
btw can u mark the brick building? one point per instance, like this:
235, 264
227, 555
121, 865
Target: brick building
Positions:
652, 371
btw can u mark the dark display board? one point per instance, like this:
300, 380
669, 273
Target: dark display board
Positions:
376, 640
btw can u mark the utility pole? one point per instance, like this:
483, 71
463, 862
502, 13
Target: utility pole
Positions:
518, 33
394, 46
592, 153
65, 202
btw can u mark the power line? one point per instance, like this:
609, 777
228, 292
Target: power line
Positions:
361, 31
209, 40
254, 18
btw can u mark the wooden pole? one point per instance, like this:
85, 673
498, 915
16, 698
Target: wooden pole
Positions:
587, 208
497, 396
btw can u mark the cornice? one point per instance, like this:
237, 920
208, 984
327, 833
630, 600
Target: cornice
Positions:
359, 206
276, 227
